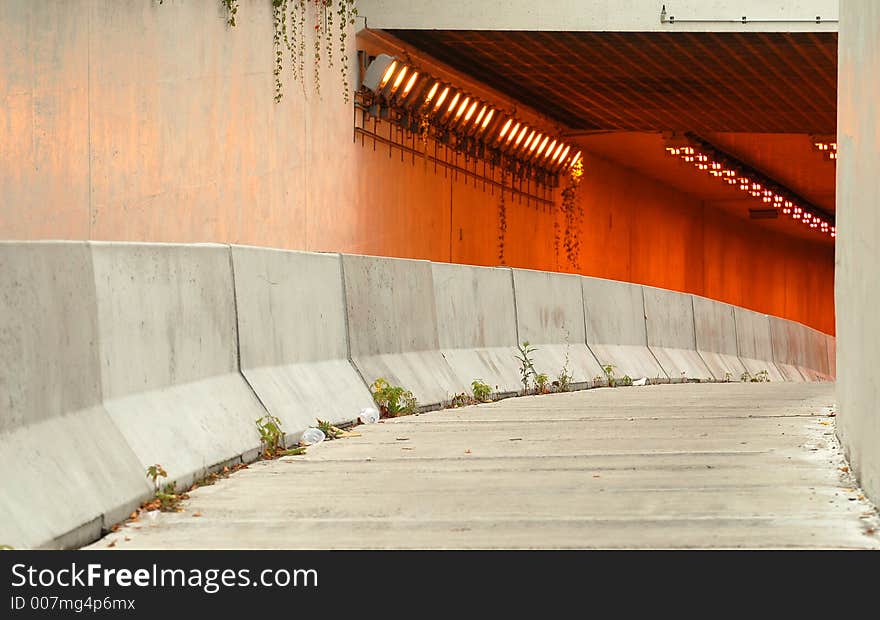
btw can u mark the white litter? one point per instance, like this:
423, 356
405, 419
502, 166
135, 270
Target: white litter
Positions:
368, 415
642, 381
312, 436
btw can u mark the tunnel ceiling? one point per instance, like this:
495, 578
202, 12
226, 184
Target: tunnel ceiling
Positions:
701, 82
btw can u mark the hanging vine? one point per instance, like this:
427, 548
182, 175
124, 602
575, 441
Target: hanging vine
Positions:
502, 219
572, 212
289, 25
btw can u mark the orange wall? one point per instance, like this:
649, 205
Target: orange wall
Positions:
178, 139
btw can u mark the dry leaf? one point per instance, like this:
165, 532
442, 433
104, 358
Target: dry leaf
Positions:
127, 539
112, 544
844, 469
197, 514
467, 451
115, 528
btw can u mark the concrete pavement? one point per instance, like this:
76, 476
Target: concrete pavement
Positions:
666, 466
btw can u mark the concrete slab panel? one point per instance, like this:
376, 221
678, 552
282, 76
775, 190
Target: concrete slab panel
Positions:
754, 344
715, 331
168, 351
292, 337
797, 349
550, 316
476, 321
392, 326
671, 336
70, 472
615, 328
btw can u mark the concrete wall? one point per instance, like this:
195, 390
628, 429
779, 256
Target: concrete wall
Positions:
476, 320
669, 317
550, 317
754, 343
858, 241
293, 340
615, 316
715, 332
623, 15
117, 356
128, 120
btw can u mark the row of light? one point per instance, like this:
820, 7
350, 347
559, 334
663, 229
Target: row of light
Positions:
828, 149
446, 107
748, 183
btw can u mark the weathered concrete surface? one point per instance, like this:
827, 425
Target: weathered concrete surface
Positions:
669, 318
476, 321
58, 445
550, 317
799, 350
292, 337
615, 317
715, 331
695, 465
392, 326
754, 344
168, 352
858, 240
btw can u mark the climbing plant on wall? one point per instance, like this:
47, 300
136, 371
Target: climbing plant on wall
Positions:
290, 19
572, 213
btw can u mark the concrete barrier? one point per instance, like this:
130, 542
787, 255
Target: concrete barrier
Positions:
168, 353
68, 471
615, 318
669, 317
715, 331
476, 322
392, 326
293, 343
754, 344
550, 316
799, 351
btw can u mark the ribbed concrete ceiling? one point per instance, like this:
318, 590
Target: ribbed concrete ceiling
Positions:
701, 82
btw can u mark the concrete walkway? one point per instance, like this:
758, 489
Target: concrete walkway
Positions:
681, 466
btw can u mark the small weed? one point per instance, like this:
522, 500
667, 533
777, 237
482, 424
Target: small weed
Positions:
294, 451
393, 400
330, 431
271, 435
7, 548
626, 380
527, 364
541, 382
563, 380
609, 375
461, 400
482, 391
762, 377
727, 376
166, 498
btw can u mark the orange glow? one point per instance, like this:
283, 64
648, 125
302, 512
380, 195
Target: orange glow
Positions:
529, 140
480, 115
470, 113
513, 132
432, 92
505, 128
521, 135
564, 154
462, 107
454, 101
388, 73
543, 144
488, 118
536, 142
558, 151
401, 74
441, 98
410, 84
576, 158
550, 149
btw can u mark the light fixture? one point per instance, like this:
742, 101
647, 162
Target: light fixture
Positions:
704, 157
406, 96
826, 145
